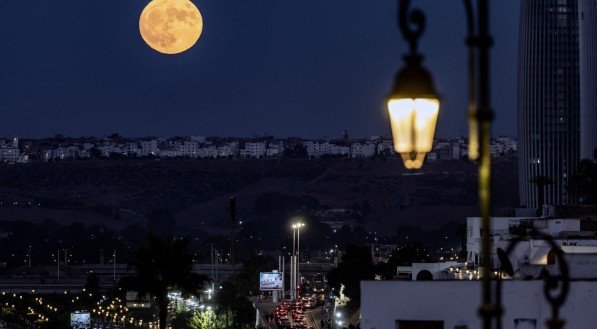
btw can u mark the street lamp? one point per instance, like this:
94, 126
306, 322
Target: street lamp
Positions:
415, 100
413, 103
296, 252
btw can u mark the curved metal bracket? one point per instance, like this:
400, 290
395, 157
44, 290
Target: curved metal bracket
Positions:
411, 24
556, 288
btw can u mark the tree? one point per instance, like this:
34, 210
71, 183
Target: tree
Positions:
583, 184
405, 255
234, 309
297, 151
92, 284
356, 265
95, 153
166, 265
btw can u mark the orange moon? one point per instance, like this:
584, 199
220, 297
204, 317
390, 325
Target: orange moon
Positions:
170, 26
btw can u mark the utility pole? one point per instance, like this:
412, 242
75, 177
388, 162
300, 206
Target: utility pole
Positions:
283, 276
114, 265
29, 256
58, 262
233, 210
217, 255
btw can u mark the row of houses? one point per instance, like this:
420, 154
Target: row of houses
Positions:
201, 147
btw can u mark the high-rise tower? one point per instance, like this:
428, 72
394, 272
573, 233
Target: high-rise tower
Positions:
556, 94
588, 78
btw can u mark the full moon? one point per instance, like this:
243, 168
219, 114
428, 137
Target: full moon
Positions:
170, 26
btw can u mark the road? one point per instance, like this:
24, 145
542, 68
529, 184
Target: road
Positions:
265, 307
314, 317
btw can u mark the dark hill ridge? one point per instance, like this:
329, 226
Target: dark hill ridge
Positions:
196, 191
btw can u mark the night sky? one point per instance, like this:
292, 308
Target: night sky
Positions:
308, 68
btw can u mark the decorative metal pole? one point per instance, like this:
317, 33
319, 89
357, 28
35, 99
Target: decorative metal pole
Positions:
484, 118
556, 287
479, 41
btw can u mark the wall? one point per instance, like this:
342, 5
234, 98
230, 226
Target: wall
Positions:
457, 302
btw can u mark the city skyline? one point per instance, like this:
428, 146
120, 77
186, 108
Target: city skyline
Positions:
280, 67
280, 164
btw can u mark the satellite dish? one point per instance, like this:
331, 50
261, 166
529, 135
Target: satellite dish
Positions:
505, 261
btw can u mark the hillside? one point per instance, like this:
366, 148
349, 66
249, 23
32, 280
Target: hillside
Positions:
118, 192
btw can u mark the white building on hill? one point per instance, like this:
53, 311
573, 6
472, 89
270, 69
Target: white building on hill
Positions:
362, 150
254, 150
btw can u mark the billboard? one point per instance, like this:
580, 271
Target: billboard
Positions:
271, 281
80, 320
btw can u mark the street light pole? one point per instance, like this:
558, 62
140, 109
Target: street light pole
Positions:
298, 255
295, 258
293, 265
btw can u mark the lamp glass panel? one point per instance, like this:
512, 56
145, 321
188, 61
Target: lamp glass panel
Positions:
415, 163
413, 123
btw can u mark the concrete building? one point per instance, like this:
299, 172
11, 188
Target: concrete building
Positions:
148, 147
362, 150
275, 149
9, 154
428, 271
190, 148
208, 152
533, 255
455, 305
339, 150
228, 150
254, 150
317, 149
385, 147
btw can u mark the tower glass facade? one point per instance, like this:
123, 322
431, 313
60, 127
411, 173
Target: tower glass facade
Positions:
588, 78
549, 97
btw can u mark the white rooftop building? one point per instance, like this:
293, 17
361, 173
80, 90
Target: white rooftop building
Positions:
317, 149
455, 305
149, 147
9, 151
9, 154
254, 150
362, 150
190, 149
275, 149
339, 150
533, 255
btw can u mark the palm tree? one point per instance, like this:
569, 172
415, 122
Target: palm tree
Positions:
165, 265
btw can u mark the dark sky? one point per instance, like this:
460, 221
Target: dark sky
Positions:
306, 68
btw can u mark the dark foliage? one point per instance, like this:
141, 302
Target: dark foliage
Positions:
356, 265
583, 184
162, 266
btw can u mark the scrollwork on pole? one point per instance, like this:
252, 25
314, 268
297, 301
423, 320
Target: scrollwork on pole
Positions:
556, 287
411, 24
